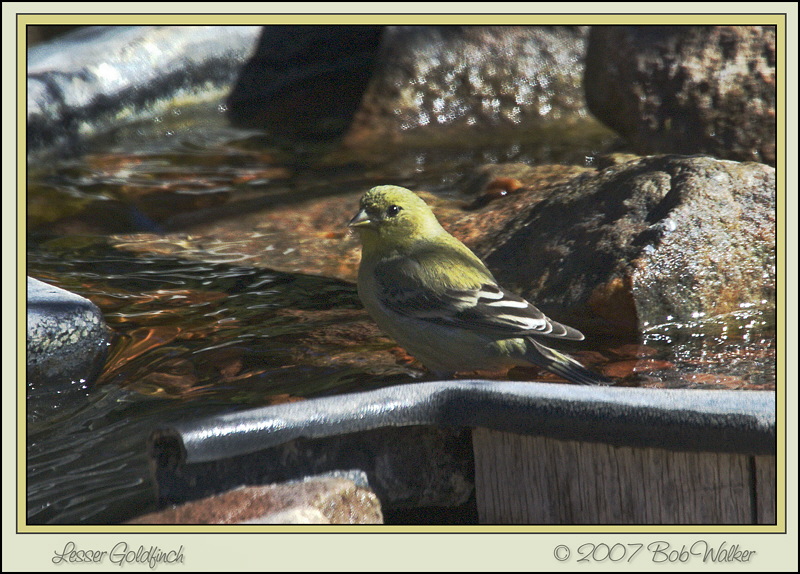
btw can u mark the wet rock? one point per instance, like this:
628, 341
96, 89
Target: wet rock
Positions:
313, 501
686, 89
441, 80
67, 340
643, 243
97, 78
305, 80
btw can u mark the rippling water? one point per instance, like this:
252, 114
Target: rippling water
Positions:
214, 331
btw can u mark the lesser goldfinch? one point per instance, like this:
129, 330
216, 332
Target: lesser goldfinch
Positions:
438, 300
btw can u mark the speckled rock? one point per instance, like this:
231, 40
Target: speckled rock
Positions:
314, 501
441, 80
686, 89
67, 340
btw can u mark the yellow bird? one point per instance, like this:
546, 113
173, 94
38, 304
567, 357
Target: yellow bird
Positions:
438, 300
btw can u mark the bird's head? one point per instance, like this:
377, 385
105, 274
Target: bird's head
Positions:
391, 217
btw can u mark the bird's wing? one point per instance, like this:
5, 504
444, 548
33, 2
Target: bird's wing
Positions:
563, 365
497, 310
417, 289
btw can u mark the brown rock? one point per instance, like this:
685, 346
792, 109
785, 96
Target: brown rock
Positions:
643, 243
317, 501
686, 89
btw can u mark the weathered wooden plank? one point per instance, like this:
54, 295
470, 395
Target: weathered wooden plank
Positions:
537, 480
766, 489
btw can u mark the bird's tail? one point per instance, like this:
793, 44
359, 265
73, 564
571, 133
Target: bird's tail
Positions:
563, 365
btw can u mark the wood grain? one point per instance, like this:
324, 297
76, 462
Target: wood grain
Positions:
766, 489
536, 480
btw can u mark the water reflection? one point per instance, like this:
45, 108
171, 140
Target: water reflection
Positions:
735, 350
185, 329
208, 336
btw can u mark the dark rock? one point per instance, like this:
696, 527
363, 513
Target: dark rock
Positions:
642, 243
66, 346
305, 80
38, 34
441, 80
312, 501
686, 89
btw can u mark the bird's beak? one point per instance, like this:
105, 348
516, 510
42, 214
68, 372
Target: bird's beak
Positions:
361, 219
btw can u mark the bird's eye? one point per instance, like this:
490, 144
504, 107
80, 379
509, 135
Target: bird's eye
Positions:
393, 210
